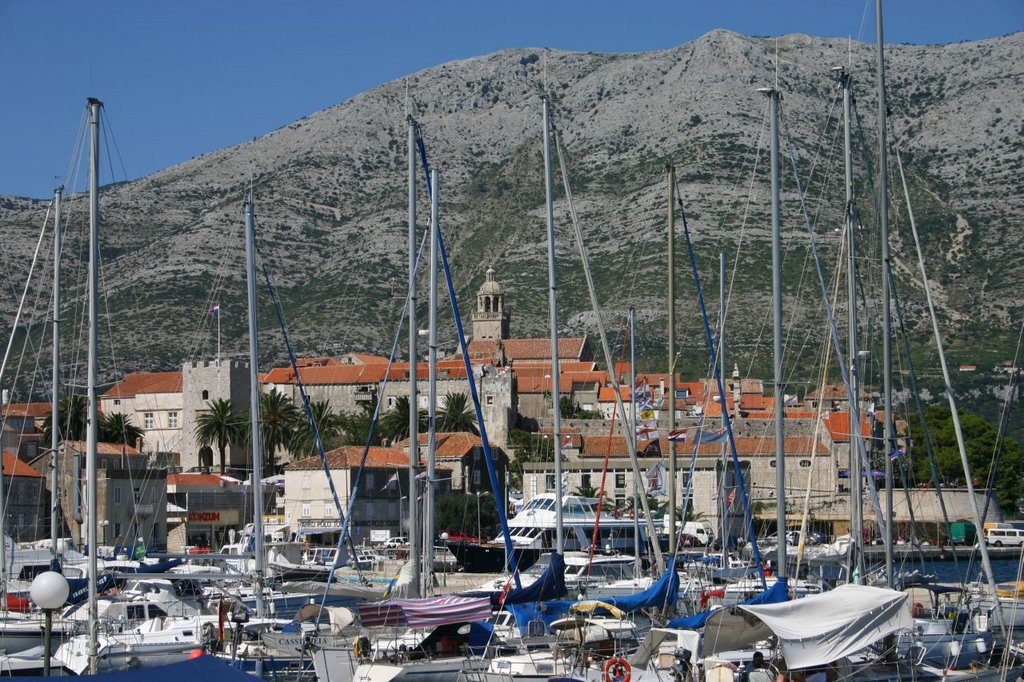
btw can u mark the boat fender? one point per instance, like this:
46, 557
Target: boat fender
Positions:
361, 648
617, 669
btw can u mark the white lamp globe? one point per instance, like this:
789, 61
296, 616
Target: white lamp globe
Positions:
444, 536
49, 590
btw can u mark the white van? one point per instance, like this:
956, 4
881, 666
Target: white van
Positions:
700, 530
1004, 536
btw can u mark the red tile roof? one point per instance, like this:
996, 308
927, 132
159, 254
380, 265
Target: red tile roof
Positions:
199, 480
528, 350
34, 410
350, 456
12, 466
838, 425
455, 445
145, 382
79, 446
599, 446
333, 374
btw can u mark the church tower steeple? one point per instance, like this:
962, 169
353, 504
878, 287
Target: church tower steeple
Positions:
491, 319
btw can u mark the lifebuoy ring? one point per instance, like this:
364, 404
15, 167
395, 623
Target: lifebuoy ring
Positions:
361, 648
617, 669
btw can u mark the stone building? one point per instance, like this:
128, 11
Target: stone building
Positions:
202, 382
153, 403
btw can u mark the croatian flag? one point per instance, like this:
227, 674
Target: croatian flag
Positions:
215, 308
897, 453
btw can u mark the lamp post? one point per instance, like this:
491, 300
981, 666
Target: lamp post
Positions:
49, 590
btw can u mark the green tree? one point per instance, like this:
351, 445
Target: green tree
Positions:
456, 415
570, 409
354, 427
328, 424
393, 425
279, 417
220, 425
980, 440
71, 411
527, 447
117, 427
457, 513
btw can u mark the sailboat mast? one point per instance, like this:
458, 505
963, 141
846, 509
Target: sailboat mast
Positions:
254, 407
672, 462
856, 477
723, 500
58, 195
430, 491
556, 411
414, 431
883, 215
92, 416
632, 421
780, 450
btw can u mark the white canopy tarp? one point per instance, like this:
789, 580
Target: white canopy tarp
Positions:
822, 628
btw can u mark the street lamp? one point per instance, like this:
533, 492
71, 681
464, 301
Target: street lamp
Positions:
49, 590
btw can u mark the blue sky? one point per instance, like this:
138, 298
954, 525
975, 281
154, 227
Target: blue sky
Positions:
184, 77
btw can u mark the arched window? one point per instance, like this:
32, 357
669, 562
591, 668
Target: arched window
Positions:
805, 463
206, 394
487, 304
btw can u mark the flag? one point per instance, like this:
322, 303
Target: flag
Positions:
653, 448
647, 413
679, 435
567, 443
393, 479
656, 480
215, 308
897, 453
731, 498
713, 437
646, 432
504, 592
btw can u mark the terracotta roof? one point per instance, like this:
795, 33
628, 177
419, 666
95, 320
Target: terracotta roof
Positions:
34, 410
334, 374
838, 425
607, 394
830, 392
542, 368
455, 444
319, 361
13, 466
599, 446
350, 456
363, 359
199, 480
145, 382
528, 350
79, 446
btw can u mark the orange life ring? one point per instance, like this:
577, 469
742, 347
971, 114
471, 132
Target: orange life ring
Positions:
617, 669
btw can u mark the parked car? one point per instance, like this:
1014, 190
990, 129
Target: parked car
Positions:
395, 542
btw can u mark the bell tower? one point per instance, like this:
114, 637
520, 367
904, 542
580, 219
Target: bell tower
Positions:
491, 319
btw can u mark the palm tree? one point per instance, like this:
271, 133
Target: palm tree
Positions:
456, 414
71, 411
354, 427
117, 427
328, 425
278, 419
394, 424
220, 425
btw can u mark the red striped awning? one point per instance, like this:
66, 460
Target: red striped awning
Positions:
423, 613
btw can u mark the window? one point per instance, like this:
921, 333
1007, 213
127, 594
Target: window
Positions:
206, 394
329, 510
117, 401
549, 482
476, 478
147, 420
117, 496
490, 400
117, 530
805, 463
305, 511
172, 420
306, 482
585, 481
620, 480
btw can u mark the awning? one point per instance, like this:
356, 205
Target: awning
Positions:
318, 531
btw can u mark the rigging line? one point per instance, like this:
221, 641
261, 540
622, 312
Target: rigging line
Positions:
314, 428
108, 125
713, 362
488, 455
631, 437
882, 521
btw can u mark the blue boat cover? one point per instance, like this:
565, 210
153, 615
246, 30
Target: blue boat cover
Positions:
664, 592
544, 613
777, 593
78, 588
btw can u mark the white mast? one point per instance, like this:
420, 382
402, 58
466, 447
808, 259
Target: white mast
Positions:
556, 411
55, 384
92, 425
414, 434
672, 459
430, 491
254, 407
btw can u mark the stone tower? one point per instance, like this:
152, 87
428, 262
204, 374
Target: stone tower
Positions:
201, 382
491, 319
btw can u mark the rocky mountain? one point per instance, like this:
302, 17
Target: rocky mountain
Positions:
331, 203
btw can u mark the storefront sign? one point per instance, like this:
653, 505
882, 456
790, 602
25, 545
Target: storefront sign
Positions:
223, 517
